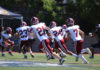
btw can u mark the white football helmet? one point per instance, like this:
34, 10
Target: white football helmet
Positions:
34, 20
70, 21
24, 23
9, 30
64, 26
53, 24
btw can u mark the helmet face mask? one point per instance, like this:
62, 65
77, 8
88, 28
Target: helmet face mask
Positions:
53, 24
34, 20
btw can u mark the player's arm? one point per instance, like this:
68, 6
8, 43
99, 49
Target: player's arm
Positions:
49, 33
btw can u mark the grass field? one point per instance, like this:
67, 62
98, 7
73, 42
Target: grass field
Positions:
70, 63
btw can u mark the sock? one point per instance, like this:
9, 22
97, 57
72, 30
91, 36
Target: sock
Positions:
83, 51
74, 55
82, 57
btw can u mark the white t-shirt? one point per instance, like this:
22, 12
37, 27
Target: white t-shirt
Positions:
23, 32
57, 33
40, 31
74, 32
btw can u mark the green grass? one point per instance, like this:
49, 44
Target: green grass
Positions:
70, 61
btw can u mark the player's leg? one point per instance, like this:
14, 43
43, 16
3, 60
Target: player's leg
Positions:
26, 48
78, 50
44, 51
65, 49
86, 50
22, 48
4, 46
46, 45
3, 50
58, 50
31, 41
24, 52
10, 47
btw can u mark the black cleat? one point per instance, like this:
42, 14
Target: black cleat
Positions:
11, 53
91, 57
77, 58
61, 61
50, 57
32, 56
3, 54
25, 57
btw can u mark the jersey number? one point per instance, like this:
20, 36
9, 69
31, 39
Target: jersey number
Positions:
41, 31
76, 31
23, 33
57, 33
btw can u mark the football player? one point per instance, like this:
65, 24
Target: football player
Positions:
77, 35
59, 40
23, 33
40, 31
6, 43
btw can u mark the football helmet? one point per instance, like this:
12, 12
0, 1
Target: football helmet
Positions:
24, 23
9, 30
70, 21
64, 26
53, 24
34, 20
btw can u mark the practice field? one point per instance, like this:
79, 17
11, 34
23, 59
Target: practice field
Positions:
39, 62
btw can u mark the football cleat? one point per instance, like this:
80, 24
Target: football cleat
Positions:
11, 53
61, 61
86, 62
3, 54
25, 57
48, 57
62, 54
91, 57
77, 58
32, 55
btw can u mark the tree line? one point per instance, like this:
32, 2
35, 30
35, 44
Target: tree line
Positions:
85, 12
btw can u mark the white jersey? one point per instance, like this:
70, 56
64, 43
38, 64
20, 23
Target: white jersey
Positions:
40, 31
74, 32
57, 33
64, 33
23, 32
32, 33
